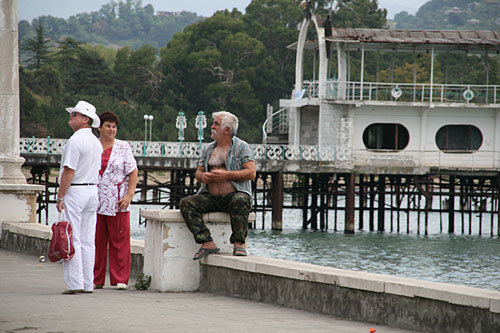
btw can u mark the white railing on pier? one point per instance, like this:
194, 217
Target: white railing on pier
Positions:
460, 160
193, 150
407, 92
436, 159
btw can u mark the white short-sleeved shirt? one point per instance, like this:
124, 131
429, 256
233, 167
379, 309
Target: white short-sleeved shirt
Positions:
82, 153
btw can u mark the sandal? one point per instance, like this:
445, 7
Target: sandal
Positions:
203, 252
239, 251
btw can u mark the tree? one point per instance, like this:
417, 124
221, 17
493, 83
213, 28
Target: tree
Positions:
359, 14
211, 66
38, 49
90, 75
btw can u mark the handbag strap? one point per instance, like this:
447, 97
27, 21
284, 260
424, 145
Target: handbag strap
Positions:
62, 216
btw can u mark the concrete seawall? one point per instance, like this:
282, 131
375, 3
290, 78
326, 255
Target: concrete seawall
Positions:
380, 299
34, 238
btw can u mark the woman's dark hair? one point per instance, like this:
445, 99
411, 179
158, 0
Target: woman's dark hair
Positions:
110, 117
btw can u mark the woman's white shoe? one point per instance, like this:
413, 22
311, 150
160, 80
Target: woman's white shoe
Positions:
121, 286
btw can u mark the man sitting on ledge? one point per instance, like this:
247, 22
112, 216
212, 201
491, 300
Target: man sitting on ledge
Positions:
225, 169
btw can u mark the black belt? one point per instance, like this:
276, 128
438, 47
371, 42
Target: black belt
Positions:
82, 184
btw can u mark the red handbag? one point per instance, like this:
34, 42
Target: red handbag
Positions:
61, 245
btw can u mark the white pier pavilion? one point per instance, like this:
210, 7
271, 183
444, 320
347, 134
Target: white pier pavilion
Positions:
394, 127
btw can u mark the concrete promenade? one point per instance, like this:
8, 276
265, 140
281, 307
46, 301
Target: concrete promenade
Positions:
31, 301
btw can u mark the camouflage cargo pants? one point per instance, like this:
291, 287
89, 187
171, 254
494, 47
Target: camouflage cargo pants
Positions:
236, 204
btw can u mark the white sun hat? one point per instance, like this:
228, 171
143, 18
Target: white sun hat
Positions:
88, 110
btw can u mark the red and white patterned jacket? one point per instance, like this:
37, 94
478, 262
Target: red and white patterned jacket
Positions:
113, 183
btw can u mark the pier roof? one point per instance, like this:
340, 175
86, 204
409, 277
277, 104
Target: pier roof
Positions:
472, 41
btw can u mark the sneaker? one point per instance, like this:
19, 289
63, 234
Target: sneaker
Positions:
121, 286
98, 286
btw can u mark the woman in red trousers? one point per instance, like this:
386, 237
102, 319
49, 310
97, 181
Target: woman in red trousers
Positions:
117, 182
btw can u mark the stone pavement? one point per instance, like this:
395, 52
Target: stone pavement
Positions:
31, 301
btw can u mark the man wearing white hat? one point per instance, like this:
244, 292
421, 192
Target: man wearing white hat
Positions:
77, 195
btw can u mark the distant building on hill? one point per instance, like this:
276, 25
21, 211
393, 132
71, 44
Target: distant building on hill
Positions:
167, 13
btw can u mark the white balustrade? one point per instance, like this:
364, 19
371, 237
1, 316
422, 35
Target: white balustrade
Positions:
191, 150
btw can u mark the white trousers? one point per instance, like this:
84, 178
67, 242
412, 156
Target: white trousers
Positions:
81, 210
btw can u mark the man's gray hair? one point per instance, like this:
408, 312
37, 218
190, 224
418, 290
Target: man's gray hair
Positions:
228, 120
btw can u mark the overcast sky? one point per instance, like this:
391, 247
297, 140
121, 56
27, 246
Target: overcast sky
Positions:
29, 9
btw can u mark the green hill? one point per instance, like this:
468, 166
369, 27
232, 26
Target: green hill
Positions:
125, 23
453, 15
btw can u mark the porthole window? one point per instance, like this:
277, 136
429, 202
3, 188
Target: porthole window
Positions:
459, 138
386, 137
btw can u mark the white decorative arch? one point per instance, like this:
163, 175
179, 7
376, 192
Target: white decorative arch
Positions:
323, 60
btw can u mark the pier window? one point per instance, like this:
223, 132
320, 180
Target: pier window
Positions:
459, 138
386, 137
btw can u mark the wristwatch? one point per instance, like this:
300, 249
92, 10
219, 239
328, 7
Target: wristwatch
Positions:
60, 199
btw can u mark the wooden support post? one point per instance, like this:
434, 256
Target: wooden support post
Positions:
144, 189
335, 201
372, 200
391, 181
314, 202
470, 195
349, 204
418, 199
305, 197
463, 201
492, 186
398, 200
498, 205
440, 203
481, 207
323, 208
381, 203
255, 202
47, 194
451, 205
361, 201
428, 203
407, 183
264, 200
277, 200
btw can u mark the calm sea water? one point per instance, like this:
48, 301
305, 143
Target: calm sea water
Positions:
471, 260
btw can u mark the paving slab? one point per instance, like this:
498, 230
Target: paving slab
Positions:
31, 301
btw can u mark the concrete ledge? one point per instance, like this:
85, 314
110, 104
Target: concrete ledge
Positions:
34, 238
388, 300
170, 246
174, 215
22, 188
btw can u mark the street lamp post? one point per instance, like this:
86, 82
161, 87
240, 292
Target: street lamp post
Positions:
200, 124
146, 118
150, 127
181, 125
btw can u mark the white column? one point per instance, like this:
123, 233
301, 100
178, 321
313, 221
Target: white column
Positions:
10, 160
299, 59
323, 59
432, 72
362, 70
342, 70
17, 199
